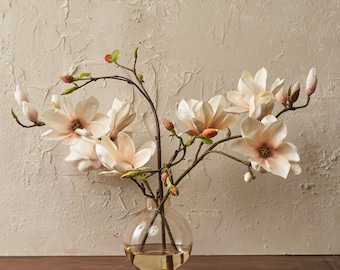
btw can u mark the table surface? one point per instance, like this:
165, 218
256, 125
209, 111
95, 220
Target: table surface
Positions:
236, 262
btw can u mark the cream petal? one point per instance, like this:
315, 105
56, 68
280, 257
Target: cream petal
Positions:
72, 139
229, 121
57, 120
141, 158
126, 146
105, 157
68, 107
276, 86
110, 173
236, 109
123, 112
112, 148
295, 168
218, 104
86, 109
243, 146
29, 111
88, 165
203, 113
19, 95
278, 165
261, 77
54, 135
238, 99
288, 151
123, 167
151, 145
98, 127
249, 87
275, 133
251, 127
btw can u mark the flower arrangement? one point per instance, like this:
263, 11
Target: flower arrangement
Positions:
98, 141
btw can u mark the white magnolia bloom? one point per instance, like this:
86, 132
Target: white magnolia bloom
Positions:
252, 95
121, 157
119, 117
83, 155
200, 115
19, 95
264, 143
29, 111
70, 125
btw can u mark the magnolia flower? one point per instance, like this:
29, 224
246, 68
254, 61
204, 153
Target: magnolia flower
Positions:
282, 96
252, 96
83, 155
19, 95
311, 82
121, 157
119, 117
70, 125
200, 115
264, 143
29, 111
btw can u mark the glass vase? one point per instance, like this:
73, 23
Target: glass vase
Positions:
157, 238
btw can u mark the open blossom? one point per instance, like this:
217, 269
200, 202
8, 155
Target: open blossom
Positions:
264, 143
120, 116
200, 115
252, 95
70, 125
83, 155
120, 157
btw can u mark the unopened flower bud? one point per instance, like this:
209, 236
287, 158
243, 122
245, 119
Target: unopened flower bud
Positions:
164, 177
19, 95
168, 124
173, 190
108, 58
30, 112
311, 82
282, 96
55, 102
248, 177
295, 92
209, 132
67, 78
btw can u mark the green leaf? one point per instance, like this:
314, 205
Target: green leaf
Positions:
85, 74
69, 90
206, 140
190, 141
131, 174
142, 177
115, 55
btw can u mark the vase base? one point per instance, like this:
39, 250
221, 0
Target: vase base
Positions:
154, 257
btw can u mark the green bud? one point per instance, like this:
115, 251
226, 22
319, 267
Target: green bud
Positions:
135, 55
131, 174
140, 77
115, 55
69, 90
190, 141
85, 74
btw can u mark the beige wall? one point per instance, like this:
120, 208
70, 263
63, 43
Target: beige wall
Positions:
196, 49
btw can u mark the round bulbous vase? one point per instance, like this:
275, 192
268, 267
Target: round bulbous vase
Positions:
157, 238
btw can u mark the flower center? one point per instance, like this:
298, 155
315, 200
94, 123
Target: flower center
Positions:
264, 151
76, 124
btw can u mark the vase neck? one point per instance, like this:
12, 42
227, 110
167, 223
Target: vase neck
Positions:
152, 204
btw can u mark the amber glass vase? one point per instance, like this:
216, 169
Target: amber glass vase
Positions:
157, 238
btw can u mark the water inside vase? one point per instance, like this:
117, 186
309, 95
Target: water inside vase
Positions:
155, 257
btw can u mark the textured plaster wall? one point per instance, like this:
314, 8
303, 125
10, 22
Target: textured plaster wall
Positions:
188, 49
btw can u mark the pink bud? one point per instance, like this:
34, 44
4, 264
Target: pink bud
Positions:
311, 82
282, 96
19, 95
168, 124
209, 132
164, 177
108, 58
30, 112
66, 78
173, 190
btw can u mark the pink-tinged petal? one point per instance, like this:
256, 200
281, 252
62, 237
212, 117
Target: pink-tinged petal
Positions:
123, 167
236, 109
99, 126
251, 127
72, 139
249, 87
29, 111
185, 114
68, 107
123, 112
246, 74
124, 122
229, 121
112, 148
288, 151
126, 146
19, 95
149, 145
203, 113
275, 133
198, 126
83, 132
218, 104
311, 82
111, 173
86, 109
278, 165
261, 77
141, 158
57, 120
259, 165
105, 157
54, 135
244, 146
